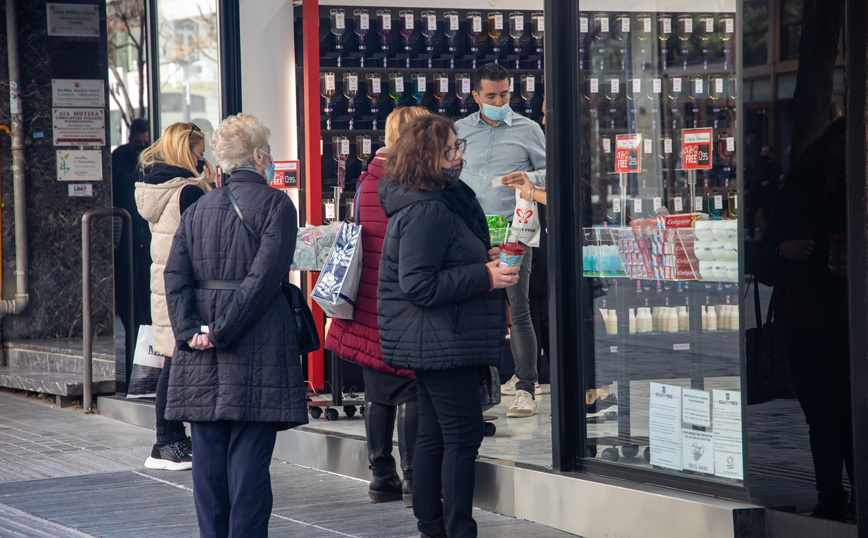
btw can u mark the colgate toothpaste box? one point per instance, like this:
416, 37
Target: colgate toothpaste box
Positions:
670, 222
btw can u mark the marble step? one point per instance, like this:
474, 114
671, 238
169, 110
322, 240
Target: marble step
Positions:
61, 355
57, 383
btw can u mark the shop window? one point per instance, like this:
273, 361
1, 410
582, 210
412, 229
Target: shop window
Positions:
761, 90
791, 29
174, 102
786, 86
755, 33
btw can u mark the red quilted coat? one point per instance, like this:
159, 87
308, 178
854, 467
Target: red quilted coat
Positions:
358, 340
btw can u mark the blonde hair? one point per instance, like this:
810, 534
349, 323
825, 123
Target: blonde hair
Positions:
397, 119
174, 148
235, 139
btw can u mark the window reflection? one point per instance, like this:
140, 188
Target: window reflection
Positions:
755, 32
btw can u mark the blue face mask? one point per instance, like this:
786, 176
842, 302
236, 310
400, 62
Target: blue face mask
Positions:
495, 113
269, 172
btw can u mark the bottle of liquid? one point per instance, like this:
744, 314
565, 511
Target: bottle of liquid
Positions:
683, 319
704, 321
632, 322
655, 314
672, 321
734, 319
644, 320
723, 317
711, 319
612, 322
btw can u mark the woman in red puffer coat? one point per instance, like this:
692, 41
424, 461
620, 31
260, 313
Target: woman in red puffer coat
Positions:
388, 392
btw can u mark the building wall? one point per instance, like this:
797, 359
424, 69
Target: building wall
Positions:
53, 218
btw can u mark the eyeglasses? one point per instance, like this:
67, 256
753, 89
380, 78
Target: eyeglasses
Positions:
195, 128
460, 145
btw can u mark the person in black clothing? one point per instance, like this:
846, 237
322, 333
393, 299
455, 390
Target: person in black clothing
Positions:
803, 255
439, 314
765, 181
124, 176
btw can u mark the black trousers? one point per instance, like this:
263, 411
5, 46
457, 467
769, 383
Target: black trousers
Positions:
231, 480
447, 441
821, 376
168, 431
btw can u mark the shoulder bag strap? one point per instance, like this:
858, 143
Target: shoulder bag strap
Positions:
241, 215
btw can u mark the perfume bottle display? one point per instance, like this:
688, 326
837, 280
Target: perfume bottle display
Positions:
429, 28
418, 87
474, 29
384, 27
327, 88
450, 28
441, 90
495, 28
361, 25
538, 29
528, 90
363, 149
396, 86
406, 26
462, 90
516, 29
373, 89
337, 18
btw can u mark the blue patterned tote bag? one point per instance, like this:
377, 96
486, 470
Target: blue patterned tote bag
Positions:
335, 291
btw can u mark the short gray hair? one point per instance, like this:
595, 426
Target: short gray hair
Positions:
235, 139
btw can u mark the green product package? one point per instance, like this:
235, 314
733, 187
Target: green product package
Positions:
498, 228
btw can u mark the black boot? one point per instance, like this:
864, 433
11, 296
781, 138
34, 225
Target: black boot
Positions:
408, 420
379, 426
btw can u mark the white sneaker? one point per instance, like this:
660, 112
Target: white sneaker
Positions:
523, 405
547, 389
508, 388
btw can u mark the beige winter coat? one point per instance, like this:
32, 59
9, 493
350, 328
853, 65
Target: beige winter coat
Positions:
160, 206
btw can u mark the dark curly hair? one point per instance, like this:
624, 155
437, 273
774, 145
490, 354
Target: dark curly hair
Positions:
416, 160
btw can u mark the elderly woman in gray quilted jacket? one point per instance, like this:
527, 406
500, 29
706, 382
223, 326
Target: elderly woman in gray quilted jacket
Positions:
236, 375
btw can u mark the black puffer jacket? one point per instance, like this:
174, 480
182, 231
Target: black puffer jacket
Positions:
434, 308
253, 373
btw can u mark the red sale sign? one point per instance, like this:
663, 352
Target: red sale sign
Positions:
628, 158
696, 152
285, 175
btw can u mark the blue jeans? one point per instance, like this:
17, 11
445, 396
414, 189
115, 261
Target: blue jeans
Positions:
522, 338
447, 442
231, 480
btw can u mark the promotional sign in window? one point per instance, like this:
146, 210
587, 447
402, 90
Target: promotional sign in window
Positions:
627, 155
697, 149
285, 175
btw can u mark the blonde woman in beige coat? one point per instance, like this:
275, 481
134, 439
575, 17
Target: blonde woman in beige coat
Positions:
175, 177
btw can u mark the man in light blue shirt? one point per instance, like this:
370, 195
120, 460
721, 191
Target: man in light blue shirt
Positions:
509, 148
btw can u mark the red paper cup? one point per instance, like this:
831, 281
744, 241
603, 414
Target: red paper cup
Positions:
511, 254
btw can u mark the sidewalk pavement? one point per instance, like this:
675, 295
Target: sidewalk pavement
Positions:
64, 474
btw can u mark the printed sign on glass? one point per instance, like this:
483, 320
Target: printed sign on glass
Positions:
628, 158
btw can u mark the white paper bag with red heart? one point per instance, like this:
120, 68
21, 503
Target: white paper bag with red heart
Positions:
525, 222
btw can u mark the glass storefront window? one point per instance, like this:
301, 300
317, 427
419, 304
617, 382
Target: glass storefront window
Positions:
660, 242
128, 79
189, 70
791, 29
756, 32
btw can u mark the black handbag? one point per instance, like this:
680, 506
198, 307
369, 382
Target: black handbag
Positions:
768, 366
306, 335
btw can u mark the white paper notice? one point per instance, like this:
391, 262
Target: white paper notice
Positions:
432, 22
696, 406
679, 205
530, 85
408, 22
366, 146
444, 85
540, 24
646, 25
387, 21
667, 145
637, 85
519, 23
453, 23
709, 25
625, 25
340, 23
728, 455
330, 210
718, 85
667, 25
376, 85
353, 82
676, 84
477, 24
697, 448
604, 24
420, 83
616, 205
657, 85
330, 83
615, 86
595, 85
735, 202
498, 22
697, 204
465, 85
664, 426
648, 148
607, 145
697, 85
656, 202
730, 26
718, 201
688, 25
637, 205
730, 143
399, 84
345, 147
365, 21
583, 25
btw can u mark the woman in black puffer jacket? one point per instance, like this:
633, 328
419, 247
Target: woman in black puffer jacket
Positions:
236, 373
439, 314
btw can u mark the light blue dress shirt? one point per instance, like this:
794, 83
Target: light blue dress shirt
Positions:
516, 144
